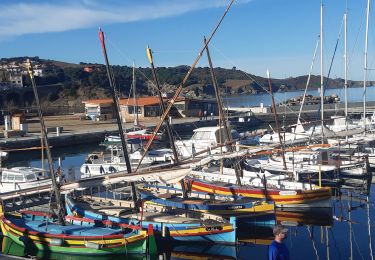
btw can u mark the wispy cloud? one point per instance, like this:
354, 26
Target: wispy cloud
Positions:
42, 16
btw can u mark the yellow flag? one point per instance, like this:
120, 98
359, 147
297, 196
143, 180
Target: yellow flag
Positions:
149, 54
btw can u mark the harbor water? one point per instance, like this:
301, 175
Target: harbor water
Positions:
354, 95
343, 232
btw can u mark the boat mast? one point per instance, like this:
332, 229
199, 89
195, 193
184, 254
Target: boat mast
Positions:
365, 67
321, 72
115, 102
56, 190
276, 119
135, 106
346, 69
179, 89
221, 114
169, 129
118, 119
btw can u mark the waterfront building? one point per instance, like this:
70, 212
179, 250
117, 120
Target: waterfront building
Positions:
147, 107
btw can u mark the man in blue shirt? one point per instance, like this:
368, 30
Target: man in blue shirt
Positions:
278, 250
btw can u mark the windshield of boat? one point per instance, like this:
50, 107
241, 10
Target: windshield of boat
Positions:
201, 135
10, 177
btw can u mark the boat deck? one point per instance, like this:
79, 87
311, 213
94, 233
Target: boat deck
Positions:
129, 213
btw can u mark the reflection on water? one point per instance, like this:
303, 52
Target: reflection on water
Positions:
338, 233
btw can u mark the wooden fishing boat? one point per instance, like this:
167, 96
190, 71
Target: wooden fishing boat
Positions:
283, 197
168, 224
13, 250
39, 230
204, 202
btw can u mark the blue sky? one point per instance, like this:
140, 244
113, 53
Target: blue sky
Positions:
256, 34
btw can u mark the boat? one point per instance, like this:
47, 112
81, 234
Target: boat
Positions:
13, 250
133, 144
19, 178
351, 164
304, 165
169, 224
283, 193
40, 230
138, 132
105, 163
298, 136
205, 140
204, 202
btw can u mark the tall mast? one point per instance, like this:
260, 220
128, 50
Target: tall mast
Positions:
221, 114
135, 106
56, 190
346, 68
169, 129
276, 119
321, 72
217, 93
365, 67
115, 102
116, 99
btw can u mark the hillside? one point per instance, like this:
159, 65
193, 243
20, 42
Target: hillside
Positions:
89, 81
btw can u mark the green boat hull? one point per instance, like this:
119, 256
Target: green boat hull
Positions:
138, 247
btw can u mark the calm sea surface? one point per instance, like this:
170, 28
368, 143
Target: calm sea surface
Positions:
343, 232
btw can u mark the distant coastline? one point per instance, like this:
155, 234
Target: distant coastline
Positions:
256, 99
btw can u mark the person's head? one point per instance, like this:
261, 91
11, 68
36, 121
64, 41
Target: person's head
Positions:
280, 232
